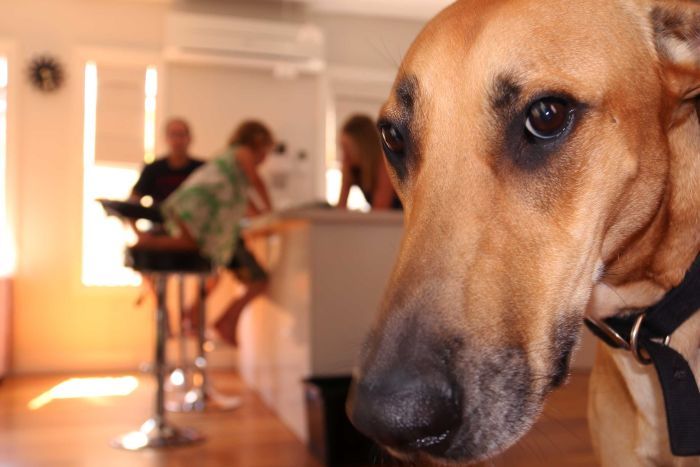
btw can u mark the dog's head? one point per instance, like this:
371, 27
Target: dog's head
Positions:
531, 144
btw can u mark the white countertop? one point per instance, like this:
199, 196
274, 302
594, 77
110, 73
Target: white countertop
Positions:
318, 215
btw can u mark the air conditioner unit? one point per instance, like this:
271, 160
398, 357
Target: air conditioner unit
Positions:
287, 49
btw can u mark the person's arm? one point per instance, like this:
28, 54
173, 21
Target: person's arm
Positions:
136, 195
252, 210
184, 241
143, 184
141, 189
383, 196
345, 186
246, 161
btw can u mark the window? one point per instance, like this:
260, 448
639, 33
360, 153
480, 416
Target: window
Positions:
7, 246
118, 136
149, 130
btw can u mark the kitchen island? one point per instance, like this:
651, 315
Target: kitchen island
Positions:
328, 270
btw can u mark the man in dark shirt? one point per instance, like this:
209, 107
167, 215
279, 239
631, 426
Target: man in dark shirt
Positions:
160, 178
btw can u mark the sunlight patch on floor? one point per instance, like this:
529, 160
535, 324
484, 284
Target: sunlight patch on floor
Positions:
81, 388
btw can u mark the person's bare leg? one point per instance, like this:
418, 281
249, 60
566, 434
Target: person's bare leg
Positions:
227, 324
193, 310
148, 289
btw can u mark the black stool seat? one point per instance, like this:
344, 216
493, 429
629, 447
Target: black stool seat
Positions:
133, 211
167, 261
150, 260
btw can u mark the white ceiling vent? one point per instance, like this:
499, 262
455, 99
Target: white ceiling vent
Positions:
287, 49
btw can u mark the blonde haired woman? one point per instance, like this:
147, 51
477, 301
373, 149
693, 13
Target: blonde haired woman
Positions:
363, 164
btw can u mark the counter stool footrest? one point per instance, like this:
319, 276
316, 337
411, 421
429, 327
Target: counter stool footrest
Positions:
157, 435
210, 400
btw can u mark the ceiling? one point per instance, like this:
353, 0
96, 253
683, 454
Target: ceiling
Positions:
419, 9
413, 9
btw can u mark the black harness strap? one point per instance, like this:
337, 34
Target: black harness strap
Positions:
680, 398
647, 336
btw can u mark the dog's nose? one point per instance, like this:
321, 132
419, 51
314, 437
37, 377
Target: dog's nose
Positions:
407, 410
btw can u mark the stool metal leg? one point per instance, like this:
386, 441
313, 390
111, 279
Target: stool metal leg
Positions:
202, 396
178, 377
156, 432
185, 322
201, 360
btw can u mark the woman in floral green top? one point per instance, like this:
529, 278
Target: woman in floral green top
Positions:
204, 213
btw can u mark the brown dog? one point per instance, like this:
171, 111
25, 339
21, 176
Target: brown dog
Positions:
547, 154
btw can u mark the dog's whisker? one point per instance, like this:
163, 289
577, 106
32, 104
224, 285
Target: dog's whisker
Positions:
537, 441
528, 444
545, 436
613, 290
382, 48
561, 424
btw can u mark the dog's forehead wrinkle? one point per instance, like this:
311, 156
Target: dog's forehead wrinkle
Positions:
406, 90
668, 22
505, 91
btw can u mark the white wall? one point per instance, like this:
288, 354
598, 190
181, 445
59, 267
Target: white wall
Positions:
59, 325
5, 307
372, 43
259, 9
215, 99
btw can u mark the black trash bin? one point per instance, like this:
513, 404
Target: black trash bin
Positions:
332, 438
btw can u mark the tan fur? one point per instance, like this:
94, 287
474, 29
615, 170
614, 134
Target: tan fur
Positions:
500, 255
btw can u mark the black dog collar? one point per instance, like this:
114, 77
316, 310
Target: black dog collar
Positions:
647, 335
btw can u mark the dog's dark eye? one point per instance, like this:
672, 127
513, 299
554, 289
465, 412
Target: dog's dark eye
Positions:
548, 118
393, 139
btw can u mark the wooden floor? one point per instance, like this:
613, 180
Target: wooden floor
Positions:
76, 432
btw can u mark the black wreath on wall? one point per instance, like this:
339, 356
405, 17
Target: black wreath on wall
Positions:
46, 73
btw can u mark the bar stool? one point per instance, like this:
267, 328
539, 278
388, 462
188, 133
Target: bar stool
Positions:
157, 432
199, 394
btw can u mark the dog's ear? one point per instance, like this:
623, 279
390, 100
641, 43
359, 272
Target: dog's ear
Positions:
676, 32
676, 25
